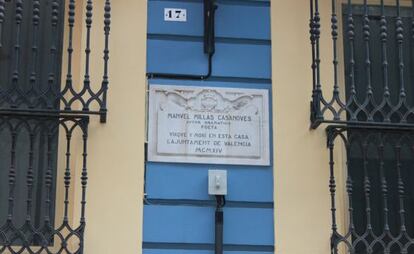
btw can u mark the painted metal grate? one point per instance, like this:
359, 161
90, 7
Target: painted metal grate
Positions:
377, 86
31, 224
44, 116
369, 109
30, 80
378, 190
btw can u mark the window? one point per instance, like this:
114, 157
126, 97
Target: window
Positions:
30, 63
379, 161
44, 125
33, 67
371, 113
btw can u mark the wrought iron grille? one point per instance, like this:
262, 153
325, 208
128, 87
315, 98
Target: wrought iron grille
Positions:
377, 86
44, 112
32, 186
31, 39
369, 108
379, 191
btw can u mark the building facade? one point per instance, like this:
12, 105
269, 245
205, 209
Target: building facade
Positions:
307, 106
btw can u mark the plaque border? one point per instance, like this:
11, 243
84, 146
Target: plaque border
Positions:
153, 156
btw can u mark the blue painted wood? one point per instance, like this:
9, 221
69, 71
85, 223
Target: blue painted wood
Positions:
177, 48
234, 84
189, 181
230, 60
186, 224
154, 251
234, 20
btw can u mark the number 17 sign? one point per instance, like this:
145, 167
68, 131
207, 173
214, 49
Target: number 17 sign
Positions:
172, 14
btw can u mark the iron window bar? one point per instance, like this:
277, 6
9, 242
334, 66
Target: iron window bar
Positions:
44, 95
379, 200
365, 101
371, 114
36, 112
42, 236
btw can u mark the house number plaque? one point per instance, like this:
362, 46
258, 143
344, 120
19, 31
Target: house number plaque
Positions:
208, 125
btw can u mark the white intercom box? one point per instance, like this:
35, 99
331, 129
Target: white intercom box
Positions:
217, 182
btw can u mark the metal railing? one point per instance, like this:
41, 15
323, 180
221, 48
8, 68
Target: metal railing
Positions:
375, 86
42, 188
378, 191
31, 223
368, 108
33, 84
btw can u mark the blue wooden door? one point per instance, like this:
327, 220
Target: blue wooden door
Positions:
178, 212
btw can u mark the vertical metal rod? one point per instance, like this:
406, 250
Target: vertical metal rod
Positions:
48, 180
384, 56
401, 189
317, 89
33, 73
351, 39
384, 185
367, 36
2, 13
67, 176
86, 82
400, 41
367, 187
17, 46
84, 181
317, 24
52, 103
12, 176
332, 185
332, 190
412, 16
71, 23
334, 25
313, 42
349, 190
84, 177
105, 80
30, 177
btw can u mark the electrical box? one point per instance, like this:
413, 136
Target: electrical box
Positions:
217, 182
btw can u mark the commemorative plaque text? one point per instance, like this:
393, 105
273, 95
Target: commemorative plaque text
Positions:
208, 125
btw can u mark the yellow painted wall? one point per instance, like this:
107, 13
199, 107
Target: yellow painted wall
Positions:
116, 149
302, 204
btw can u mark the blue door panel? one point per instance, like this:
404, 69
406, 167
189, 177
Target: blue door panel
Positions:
155, 251
242, 21
234, 19
178, 212
182, 57
189, 224
242, 60
230, 60
188, 181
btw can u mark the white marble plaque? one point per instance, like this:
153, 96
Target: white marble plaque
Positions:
208, 125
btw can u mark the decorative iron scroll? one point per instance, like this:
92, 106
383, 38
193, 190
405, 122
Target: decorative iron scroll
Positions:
31, 80
31, 223
378, 191
378, 87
